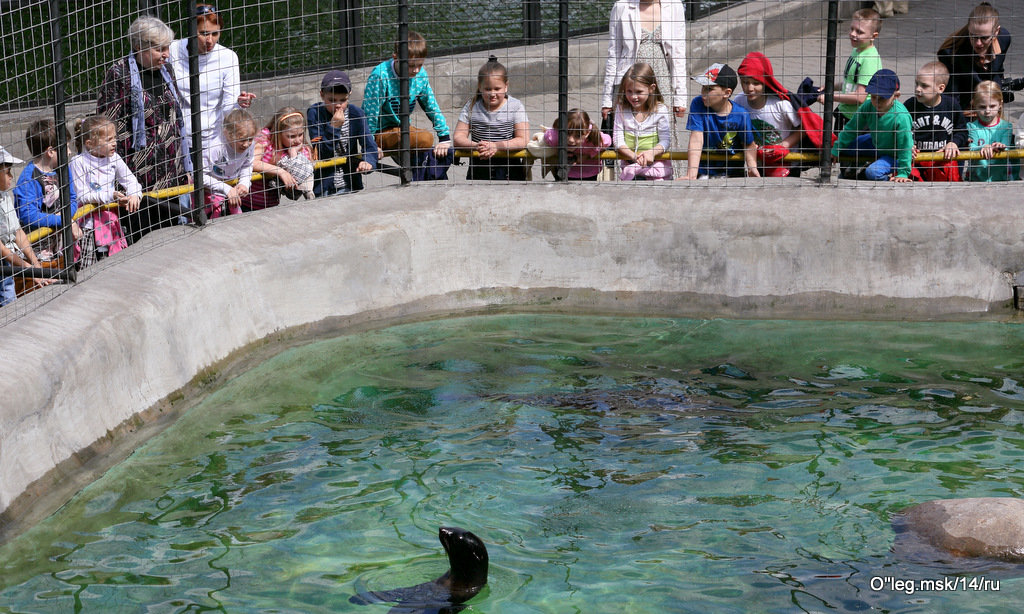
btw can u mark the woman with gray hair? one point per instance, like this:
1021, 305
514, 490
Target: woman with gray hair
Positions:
138, 93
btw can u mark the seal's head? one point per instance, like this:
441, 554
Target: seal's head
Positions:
467, 557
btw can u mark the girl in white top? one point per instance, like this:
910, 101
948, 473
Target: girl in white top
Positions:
219, 86
227, 159
654, 32
642, 126
101, 177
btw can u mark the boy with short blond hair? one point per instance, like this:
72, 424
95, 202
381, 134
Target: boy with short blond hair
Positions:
862, 64
938, 124
381, 102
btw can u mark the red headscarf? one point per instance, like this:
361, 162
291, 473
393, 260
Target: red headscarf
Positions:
757, 66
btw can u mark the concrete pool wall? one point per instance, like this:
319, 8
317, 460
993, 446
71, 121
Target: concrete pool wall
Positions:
86, 373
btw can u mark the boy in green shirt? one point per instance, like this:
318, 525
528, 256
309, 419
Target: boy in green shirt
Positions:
888, 142
864, 61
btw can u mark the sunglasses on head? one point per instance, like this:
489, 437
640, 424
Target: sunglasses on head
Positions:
205, 9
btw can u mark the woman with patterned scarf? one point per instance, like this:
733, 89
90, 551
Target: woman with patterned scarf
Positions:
139, 94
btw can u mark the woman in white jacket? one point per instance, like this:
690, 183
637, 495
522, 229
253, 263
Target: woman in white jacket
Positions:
650, 31
219, 86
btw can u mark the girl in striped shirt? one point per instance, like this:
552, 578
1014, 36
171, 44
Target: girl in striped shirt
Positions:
491, 122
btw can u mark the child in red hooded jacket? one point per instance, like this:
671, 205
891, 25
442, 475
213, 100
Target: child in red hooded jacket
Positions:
780, 122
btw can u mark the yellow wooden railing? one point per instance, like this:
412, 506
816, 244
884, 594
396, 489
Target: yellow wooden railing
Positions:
172, 192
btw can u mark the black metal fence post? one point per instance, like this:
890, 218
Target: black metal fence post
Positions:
198, 215
350, 26
563, 91
60, 124
532, 32
825, 175
150, 7
405, 157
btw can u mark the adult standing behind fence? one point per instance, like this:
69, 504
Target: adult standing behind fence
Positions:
653, 32
220, 89
138, 95
975, 53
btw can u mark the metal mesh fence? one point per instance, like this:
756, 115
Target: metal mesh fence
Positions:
62, 58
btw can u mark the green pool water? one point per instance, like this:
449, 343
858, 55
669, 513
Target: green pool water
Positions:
610, 465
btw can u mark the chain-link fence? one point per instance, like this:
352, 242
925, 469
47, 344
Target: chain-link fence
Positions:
508, 91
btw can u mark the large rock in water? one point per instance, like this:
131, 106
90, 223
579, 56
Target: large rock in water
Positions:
991, 527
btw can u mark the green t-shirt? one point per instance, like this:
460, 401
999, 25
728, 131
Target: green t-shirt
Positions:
861, 66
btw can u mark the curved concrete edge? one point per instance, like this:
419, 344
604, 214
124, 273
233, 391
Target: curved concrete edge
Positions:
987, 527
130, 336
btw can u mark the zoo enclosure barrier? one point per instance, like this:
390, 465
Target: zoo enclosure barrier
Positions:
554, 50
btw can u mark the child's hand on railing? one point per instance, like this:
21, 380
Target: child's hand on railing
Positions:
645, 158
950, 151
131, 203
486, 149
989, 150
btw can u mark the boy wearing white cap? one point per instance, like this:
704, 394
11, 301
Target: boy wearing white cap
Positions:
14, 246
716, 124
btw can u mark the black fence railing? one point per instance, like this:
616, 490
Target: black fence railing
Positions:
278, 38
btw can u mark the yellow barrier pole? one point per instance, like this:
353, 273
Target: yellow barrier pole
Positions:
790, 157
163, 194
1012, 154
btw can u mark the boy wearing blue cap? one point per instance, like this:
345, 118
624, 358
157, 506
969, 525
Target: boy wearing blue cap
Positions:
888, 144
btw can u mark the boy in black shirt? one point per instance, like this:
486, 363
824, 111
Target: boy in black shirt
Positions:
939, 125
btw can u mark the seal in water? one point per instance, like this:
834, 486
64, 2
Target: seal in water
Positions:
467, 574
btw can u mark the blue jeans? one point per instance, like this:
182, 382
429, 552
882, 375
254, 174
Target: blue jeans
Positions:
880, 167
7, 294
